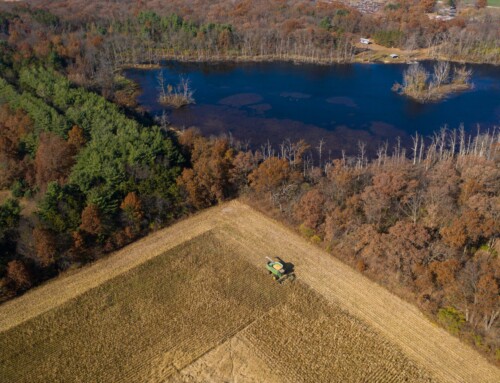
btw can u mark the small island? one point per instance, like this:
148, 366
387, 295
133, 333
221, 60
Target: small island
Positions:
175, 96
421, 86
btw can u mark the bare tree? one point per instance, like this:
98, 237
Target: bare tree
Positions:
441, 73
161, 84
462, 75
177, 96
320, 150
412, 207
361, 154
415, 147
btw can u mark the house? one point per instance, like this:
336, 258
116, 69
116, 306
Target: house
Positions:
394, 56
364, 41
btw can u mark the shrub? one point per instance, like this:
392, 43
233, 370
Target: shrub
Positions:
451, 318
391, 38
316, 239
18, 188
306, 231
361, 265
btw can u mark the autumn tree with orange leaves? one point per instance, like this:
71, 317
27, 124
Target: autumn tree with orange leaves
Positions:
92, 220
45, 246
209, 180
18, 275
53, 161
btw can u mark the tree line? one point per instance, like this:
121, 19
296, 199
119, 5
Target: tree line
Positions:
85, 176
91, 46
423, 223
98, 178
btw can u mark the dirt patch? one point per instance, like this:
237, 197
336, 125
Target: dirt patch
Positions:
234, 361
375, 52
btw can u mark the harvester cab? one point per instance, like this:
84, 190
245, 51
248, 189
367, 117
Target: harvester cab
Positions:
279, 270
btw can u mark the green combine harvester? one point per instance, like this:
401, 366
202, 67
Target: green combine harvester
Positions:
279, 271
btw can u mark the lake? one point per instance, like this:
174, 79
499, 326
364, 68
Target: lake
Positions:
340, 104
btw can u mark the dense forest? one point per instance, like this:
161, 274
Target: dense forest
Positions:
83, 172
293, 29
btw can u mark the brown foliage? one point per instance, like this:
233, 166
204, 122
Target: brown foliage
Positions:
18, 274
76, 137
339, 222
472, 226
243, 164
188, 138
361, 265
310, 209
132, 207
45, 246
488, 299
428, 5
407, 248
441, 194
209, 179
91, 220
78, 242
54, 159
481, 3
454, 235
445, 272
119, 239
271, 174
14, 126
477, 293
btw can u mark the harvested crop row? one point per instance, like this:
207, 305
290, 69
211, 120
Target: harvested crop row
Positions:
143, 325
236, 360
430, 347
313, 341
69, 286
145, 315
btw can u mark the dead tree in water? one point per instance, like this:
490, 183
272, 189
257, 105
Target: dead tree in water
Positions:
320, 151
178, 96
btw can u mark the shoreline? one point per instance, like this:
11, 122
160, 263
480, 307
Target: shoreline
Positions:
357, 59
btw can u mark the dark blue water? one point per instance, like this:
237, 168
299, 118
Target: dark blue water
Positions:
342, 104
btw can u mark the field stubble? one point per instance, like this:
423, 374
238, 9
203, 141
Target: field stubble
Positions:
143, 325
193, 303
